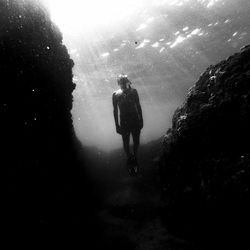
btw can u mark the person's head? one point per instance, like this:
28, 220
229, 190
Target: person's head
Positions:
123, 81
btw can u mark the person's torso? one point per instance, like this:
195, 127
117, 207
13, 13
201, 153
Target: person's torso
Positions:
126, 100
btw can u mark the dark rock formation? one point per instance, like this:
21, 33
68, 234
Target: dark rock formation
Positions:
46, 183
205, 167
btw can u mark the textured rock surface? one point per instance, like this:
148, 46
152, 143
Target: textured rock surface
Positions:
45, 181
205, 167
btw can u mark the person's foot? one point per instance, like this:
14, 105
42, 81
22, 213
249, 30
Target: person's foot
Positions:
132, 164
136, 169
135, 164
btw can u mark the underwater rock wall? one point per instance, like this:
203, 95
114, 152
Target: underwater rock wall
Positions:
205, 167
45, 181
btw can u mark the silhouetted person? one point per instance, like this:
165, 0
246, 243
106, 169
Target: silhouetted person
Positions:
126, 99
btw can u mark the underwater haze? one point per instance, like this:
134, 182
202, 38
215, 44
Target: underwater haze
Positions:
163, 47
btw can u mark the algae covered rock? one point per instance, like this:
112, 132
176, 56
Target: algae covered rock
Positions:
205, 167
45, 181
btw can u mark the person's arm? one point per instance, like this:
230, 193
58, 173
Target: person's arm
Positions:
138, 106
115, 111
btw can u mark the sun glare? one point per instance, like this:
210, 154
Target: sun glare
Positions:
83, 16
86, 15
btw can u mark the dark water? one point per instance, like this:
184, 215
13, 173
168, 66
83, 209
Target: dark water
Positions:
130, 207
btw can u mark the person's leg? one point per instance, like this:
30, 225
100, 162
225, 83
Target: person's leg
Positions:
136, 140
125, 138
